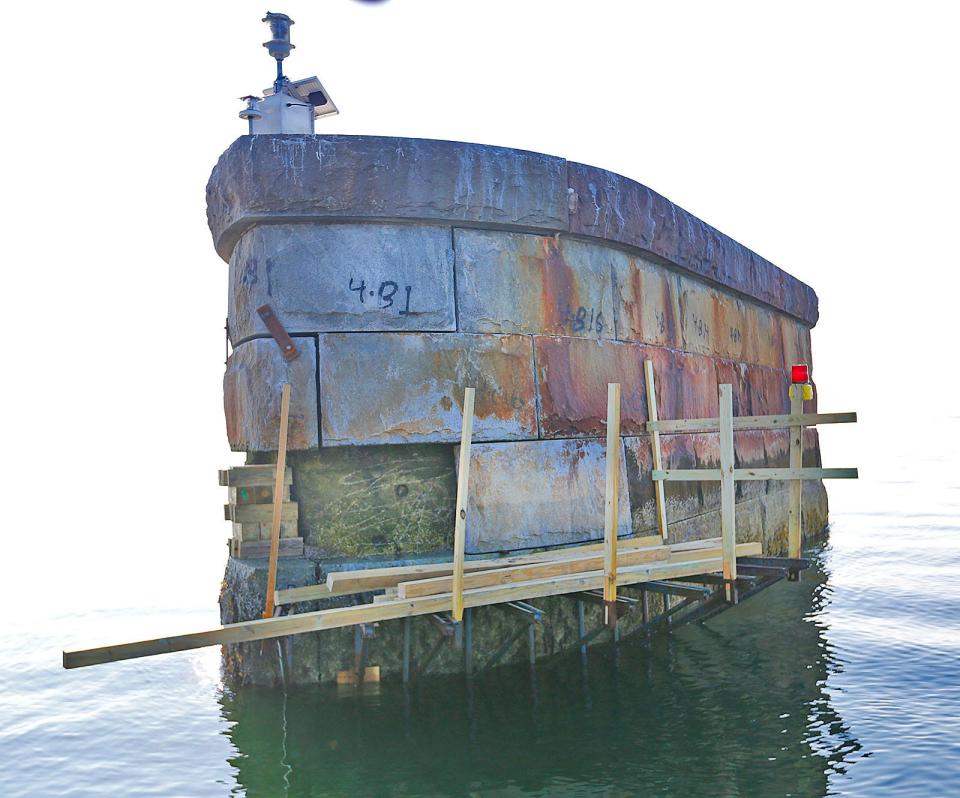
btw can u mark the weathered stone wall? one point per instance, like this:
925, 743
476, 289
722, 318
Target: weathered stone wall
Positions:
408, 269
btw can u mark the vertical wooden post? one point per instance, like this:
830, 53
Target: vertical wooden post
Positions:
612, 505
463, 481
728, 495
795, 523
278, 496
658, 490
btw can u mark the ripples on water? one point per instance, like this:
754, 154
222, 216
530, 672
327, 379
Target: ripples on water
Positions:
845, 684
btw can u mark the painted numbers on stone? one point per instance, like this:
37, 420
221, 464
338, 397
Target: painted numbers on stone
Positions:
661, 319
585, 320
700, 326
386, 295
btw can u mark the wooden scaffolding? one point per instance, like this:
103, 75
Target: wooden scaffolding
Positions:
593, 571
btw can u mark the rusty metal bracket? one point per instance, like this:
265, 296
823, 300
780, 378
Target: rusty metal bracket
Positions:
280, 335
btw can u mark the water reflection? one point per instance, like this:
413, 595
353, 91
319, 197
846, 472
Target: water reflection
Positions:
736, 707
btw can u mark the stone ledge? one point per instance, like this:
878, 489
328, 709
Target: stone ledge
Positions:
296, 178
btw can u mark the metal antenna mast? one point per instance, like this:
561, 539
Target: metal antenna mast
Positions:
279, 46
289, 106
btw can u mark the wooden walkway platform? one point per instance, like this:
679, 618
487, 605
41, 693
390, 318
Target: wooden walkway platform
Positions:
461, 584
652, 562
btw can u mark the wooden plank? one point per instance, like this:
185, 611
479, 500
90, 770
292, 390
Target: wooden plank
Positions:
795, 513
795, 473
278, 503
713, 474
463, 485
702, 543
390, 594
266, 628
525, 573
260, 513
260, 549
686, 475
352, 582
752, 549
623, 544
359, 581
292, 595
611, 504
728, 528
252, 476
658, 489
752, 422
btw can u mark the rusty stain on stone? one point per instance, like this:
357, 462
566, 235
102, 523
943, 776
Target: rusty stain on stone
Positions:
769, 390
749, 452
698, 383
408, 387
765, 341
518, 283
558, 287
252, 383
735, 374
572, 378
649, 305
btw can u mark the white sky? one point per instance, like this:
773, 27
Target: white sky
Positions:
822, 135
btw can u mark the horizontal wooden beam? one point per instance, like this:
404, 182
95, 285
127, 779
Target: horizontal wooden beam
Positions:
253, 476
358, 581
741, 474
398, 574
795, 473
294, 595
679, 552
525, 573
752, 422
752, 549
266, 628
686, 475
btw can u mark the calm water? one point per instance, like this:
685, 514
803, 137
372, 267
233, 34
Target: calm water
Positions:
845, 684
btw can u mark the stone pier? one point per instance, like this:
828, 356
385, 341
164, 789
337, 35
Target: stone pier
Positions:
407, 269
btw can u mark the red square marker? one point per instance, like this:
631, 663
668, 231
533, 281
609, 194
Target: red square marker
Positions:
799, 373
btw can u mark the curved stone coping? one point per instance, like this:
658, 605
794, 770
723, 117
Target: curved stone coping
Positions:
288, 179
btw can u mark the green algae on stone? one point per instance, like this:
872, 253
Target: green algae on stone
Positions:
376, 500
